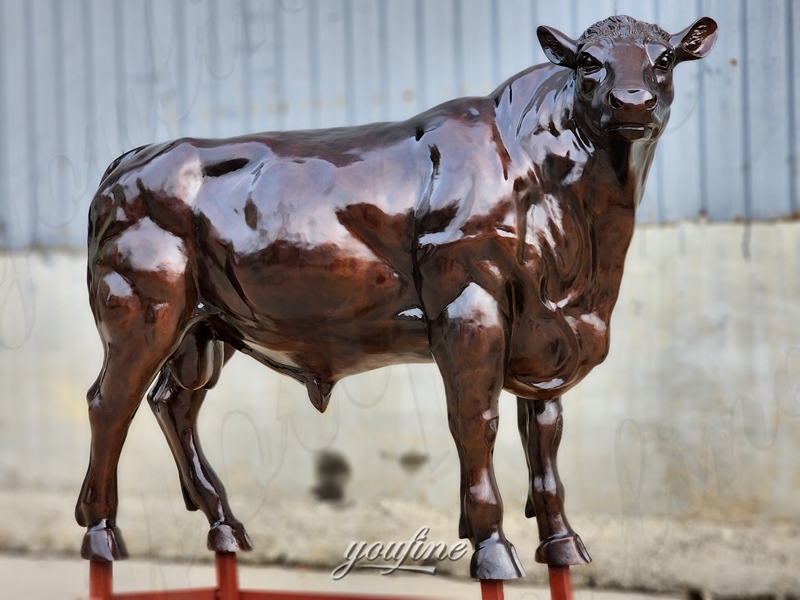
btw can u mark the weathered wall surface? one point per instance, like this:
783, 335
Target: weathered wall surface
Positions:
677, 450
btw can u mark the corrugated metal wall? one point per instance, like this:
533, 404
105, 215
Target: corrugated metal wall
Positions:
83, 80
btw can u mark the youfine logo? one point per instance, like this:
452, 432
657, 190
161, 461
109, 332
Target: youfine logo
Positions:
393, 555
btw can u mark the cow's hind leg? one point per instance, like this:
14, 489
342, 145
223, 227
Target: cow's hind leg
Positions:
176, 400
139, 332
468, 343
540, 425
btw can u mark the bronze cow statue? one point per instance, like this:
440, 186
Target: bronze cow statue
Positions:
487, 234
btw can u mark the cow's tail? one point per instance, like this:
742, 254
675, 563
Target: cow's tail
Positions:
100, 209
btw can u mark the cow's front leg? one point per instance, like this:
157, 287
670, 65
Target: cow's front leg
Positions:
540, 425
468, 340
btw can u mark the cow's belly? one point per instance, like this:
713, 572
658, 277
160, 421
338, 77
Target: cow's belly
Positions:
328, 353
324, 312
551, 352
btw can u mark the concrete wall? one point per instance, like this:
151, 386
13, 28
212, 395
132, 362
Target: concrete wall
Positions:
690, 432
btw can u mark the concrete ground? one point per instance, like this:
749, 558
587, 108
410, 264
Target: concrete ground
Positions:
37, 578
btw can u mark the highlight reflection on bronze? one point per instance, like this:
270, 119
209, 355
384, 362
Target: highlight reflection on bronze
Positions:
487, 234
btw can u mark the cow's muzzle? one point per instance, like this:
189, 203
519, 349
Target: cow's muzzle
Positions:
632, 114
632, 101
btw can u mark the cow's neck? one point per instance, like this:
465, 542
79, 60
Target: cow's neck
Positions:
599, 182
534, 100
631, 163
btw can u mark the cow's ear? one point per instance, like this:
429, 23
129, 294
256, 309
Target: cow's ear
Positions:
558, 48
696, 41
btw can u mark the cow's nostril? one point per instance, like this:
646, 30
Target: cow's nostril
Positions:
632, 99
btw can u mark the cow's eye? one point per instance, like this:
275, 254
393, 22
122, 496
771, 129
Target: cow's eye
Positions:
664, 61
589, 64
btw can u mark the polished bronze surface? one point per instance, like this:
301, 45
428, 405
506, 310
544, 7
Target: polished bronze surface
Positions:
487, 234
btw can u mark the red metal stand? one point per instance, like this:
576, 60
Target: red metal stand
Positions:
491, 589
560, 583
101, 587
227, 576
99, 580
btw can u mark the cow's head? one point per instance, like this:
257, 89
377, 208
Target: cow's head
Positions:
623, 72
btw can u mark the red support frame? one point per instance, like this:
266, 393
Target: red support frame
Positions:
491, 589
101, 586
560, 583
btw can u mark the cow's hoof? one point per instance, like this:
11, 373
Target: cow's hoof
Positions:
229, 537
103, 543
563, 551
495, 558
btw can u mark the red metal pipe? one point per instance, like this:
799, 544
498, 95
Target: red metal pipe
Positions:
560, 583
227, 576
101, 587
191, 594
100, 580
491, 589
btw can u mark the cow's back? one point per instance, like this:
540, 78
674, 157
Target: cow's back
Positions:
300, 242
